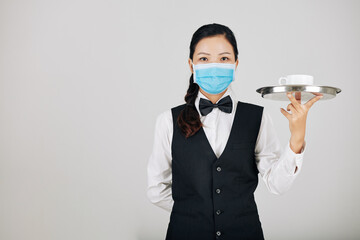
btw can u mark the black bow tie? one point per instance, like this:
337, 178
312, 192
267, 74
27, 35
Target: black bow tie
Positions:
206, 106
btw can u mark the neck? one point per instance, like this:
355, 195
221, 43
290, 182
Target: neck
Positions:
213, 97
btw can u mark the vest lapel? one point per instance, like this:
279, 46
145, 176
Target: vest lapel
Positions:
207, 144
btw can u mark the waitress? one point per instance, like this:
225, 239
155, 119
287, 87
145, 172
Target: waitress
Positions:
207, 152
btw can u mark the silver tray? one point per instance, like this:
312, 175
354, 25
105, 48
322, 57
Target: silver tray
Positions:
307, 92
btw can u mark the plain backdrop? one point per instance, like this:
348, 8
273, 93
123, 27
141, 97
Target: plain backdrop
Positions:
81, 85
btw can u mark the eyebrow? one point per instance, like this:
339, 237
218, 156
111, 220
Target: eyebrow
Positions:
209, 53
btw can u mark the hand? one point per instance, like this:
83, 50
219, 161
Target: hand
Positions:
297, 120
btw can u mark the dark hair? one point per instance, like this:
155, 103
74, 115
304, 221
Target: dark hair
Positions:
189, 118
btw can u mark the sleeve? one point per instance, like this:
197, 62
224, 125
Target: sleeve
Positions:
159, 171
277, 167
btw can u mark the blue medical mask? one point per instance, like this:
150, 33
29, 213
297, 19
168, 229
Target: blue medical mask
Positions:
214, 78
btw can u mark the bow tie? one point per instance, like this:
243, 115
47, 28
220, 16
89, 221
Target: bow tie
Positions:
206, 106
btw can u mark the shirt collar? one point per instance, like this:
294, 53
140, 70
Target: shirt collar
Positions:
229, 92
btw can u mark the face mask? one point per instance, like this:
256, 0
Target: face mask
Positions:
214, 78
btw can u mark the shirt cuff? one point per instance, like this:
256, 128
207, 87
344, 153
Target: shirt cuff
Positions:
294, 159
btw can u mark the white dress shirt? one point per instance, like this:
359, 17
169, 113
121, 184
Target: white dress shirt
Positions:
276, 166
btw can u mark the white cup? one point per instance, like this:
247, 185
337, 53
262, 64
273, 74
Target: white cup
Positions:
297, 80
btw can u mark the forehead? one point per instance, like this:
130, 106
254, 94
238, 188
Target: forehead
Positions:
214, 44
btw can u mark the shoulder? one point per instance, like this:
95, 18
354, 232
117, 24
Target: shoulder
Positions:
175, 111
164, 118
178, 108
266, 117
251, 107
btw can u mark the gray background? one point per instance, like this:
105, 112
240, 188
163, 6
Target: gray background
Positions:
81, 84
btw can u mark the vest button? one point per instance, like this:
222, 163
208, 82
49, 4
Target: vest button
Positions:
218, 212
218, 169
218, 233
218, 190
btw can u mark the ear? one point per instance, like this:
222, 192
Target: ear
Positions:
190, 65
237, 63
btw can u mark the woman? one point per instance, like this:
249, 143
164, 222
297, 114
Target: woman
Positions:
208, 152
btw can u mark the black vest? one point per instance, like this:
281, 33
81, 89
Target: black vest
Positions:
214, 197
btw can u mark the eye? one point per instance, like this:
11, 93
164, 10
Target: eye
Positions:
224, 58
203, 59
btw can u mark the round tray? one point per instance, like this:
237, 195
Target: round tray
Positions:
307, 92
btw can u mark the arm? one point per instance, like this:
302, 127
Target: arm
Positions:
159, 172
297, 119
278, 168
